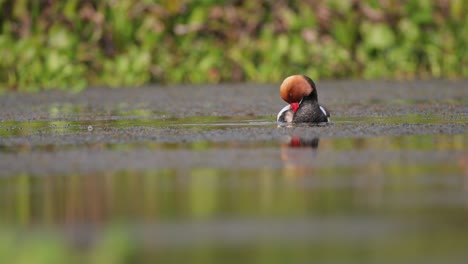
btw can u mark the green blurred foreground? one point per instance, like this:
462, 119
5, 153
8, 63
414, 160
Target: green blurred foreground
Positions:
399, 212
73, 44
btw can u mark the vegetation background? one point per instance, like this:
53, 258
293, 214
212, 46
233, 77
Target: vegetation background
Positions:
75, 44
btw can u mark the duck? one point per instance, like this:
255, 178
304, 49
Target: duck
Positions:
300, 92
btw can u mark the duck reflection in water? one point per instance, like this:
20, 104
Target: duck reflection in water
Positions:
297, 154
297, 142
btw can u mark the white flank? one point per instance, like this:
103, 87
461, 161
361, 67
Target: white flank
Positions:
324, 112
286, 108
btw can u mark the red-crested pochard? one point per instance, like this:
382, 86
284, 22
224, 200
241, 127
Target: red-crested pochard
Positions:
300, 92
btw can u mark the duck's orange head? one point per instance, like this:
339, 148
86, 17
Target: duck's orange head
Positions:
295, 87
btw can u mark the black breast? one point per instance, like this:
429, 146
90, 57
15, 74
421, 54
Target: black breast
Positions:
309, 112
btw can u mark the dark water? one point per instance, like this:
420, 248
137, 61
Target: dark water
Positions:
81, 184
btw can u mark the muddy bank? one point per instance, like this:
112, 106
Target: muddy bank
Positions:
356, 98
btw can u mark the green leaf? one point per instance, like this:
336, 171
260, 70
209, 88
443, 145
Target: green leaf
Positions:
378, 36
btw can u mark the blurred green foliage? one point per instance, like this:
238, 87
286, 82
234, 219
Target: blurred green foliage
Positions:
73, 44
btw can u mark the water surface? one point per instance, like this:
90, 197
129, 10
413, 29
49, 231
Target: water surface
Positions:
108, 184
